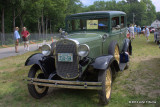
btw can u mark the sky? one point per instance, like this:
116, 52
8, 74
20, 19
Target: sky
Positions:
90, 2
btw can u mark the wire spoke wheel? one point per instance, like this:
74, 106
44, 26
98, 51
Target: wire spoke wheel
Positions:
108, 84
105, 77
116, 53
39, 75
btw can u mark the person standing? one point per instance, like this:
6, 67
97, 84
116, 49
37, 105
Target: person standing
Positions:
16, 38
138, 31
135, 30
25, 36
131, 32
147, 33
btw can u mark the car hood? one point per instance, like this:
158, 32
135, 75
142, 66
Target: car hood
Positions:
85, 37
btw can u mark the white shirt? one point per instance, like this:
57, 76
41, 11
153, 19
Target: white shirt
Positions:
131, 29
147, 31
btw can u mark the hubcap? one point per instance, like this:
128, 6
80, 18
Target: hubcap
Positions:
108, 83
116, 53
39, 89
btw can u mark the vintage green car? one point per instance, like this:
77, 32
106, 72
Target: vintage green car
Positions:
87, 56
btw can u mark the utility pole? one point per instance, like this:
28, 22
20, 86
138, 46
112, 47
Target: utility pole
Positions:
133, 17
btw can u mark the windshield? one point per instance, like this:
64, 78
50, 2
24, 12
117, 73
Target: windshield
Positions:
100, 24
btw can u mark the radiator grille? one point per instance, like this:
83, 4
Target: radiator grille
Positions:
67, 70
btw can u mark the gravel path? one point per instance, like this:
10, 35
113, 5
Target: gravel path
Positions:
10, 51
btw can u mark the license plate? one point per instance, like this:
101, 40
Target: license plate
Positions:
65, 57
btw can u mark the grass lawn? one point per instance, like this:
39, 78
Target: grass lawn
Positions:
141, 82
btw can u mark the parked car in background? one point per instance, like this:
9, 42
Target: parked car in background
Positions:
157, 36
152, 29
88, 56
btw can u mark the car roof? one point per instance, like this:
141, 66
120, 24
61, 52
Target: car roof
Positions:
101, 13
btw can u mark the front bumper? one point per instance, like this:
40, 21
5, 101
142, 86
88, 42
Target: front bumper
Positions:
65, 84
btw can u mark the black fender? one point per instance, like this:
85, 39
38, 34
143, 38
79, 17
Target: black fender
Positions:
46, 63
34, 59
127, 45
103, 62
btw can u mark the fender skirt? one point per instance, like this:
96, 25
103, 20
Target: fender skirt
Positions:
103, 62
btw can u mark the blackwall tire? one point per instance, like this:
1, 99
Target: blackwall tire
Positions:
34, 90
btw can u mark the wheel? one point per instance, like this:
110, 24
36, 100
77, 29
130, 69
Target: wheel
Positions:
36, 91
114, 50
106, 78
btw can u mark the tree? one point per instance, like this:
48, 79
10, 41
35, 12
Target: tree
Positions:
150, 11
132, 1
158, 15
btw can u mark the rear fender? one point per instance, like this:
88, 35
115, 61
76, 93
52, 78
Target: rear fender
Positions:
127, 45
103, 62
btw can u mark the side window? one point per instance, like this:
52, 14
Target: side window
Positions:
115, 23
122, 22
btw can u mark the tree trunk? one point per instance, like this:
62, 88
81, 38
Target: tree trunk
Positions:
50, 27
2, 26
46, 26
13, 19
20, 17
42, 24
39, 29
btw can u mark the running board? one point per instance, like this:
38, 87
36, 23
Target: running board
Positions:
122, 66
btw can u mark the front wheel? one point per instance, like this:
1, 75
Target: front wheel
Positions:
105, 77
36, 91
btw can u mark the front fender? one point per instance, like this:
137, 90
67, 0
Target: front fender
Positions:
47, 64
103, 62
34, 59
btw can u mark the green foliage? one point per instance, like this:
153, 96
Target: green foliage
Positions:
158, 15
142, 10
29, 12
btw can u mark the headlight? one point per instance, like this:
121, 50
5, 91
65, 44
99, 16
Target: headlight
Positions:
83, 50
46, 50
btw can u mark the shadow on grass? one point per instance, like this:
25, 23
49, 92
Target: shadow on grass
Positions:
145, 80
152, 43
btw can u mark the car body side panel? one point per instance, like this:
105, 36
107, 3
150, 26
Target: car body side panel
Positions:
93, 40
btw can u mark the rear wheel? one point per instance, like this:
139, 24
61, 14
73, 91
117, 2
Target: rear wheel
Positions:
36, 91
114, 50
106, 78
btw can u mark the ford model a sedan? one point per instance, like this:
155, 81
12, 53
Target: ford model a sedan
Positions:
87, 57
